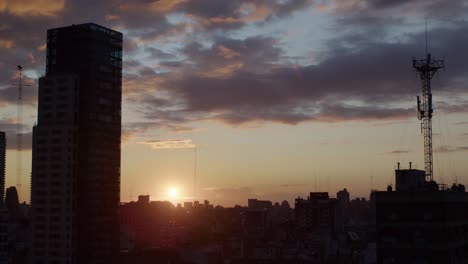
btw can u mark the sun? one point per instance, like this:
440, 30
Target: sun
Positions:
172, 192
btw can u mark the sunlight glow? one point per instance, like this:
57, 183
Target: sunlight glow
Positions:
172, 192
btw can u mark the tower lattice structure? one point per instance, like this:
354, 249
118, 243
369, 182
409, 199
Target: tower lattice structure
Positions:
427, 68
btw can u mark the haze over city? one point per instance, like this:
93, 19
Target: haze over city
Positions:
267, 99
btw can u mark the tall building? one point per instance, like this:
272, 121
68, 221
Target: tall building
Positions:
421, 222
75, 191
4, 256
317, 213
2, 166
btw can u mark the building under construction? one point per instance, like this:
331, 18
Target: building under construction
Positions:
422, 221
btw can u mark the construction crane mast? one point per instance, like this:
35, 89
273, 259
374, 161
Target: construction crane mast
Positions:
427, 68
19, 132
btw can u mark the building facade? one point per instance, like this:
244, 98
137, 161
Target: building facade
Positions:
421, 221
75, 191
425, 226
2, 166
317, 213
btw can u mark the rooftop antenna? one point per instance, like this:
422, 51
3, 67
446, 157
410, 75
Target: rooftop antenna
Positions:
426, 35
427, 68
315, 183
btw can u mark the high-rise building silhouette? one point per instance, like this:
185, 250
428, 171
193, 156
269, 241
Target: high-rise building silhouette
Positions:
75, 192
12, 199
2, 166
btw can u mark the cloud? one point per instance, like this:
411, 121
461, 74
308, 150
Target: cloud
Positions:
9, 95
170, 144
448, 149
9, 127
158, 54
7, 43
234, 14
211, 72
32, 7
436, 9
369, 81
398, 152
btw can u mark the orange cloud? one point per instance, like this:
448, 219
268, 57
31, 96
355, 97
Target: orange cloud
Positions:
227, 53
247, 13
165, 5
32, 7
223, 71
170, 144
6, 43
342, 6
42, 47
160, 6
111, 17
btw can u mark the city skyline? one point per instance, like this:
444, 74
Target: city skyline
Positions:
272, 106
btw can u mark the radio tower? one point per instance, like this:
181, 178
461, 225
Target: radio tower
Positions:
427, 68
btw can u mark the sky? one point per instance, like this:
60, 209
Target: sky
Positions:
227, 100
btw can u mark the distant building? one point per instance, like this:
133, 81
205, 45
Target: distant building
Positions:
409, 179
317, 213
19, 228
421, 224
143, 199
317, 220
343, 198
12, 200
343, 205
285, 205
256, 204
2, 166
188, 205
75, 182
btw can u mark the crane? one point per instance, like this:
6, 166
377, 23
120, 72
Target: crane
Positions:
19, 134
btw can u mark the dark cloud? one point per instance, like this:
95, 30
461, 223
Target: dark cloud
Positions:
171, 64
359, 76
158, 54
398, 151
433, 9
234, 14
369, 82
447, 149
